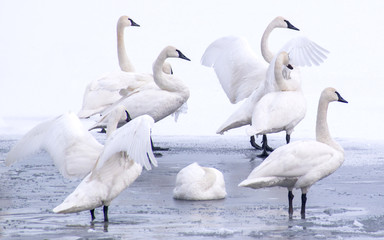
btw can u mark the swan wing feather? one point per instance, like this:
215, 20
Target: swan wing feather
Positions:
73, 149
236, 66
304, 52
133, 139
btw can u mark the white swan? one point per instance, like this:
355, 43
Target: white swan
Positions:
126, 151
281, 110
199, 183
159, 99
301, 164
242, 75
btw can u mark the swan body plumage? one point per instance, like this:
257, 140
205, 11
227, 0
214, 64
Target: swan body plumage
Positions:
303, 163
199, 183
159, 99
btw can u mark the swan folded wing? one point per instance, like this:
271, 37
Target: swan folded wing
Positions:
236, 66
73, 149
304, 52
293, 160
124, 80
134, 139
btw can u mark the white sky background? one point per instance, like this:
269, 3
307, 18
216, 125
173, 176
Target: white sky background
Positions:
50, 50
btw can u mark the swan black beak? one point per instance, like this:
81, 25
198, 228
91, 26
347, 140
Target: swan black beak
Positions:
133, 23
290, 26
182, 56
341, 99
128, 119
289, 66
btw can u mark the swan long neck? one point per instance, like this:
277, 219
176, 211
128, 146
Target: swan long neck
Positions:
279, 78
267, 54
322, 131
165, 81
125, 64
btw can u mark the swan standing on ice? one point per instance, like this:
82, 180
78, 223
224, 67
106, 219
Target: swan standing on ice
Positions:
159, 99
199, 183
126, 151
238, 68
243, 76
109, 169
281, 110
303, 163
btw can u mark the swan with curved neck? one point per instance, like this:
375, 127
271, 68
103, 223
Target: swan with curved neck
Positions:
278, 22
124, 62
280, 110
165, 95
301, 164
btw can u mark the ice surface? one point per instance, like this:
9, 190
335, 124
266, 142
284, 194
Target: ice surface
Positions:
346, 205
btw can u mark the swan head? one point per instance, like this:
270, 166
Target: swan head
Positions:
125, 21
173, 52
283, 59
167, 68
332, 95
119, 112
283, 23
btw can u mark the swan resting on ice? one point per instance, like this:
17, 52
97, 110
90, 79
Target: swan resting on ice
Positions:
199, 183
303, 163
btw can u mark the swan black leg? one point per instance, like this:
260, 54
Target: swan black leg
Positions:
92, 214
157, 148
266, 148
105, 210
290, 208
288, 138
303, 203
254, 144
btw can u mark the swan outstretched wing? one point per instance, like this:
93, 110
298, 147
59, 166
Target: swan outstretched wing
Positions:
236, 66
73, 149
133, 139
302, 52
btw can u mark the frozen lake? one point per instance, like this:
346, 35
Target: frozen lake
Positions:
347, 205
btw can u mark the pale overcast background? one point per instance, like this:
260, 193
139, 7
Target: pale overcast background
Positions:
50, 50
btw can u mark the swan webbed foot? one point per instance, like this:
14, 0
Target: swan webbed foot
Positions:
105, 211
303, 203
290, 200
265, 148
264, 154
92, 215
254, 144
269, 149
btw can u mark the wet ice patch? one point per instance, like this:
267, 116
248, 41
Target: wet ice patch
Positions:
222, 232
